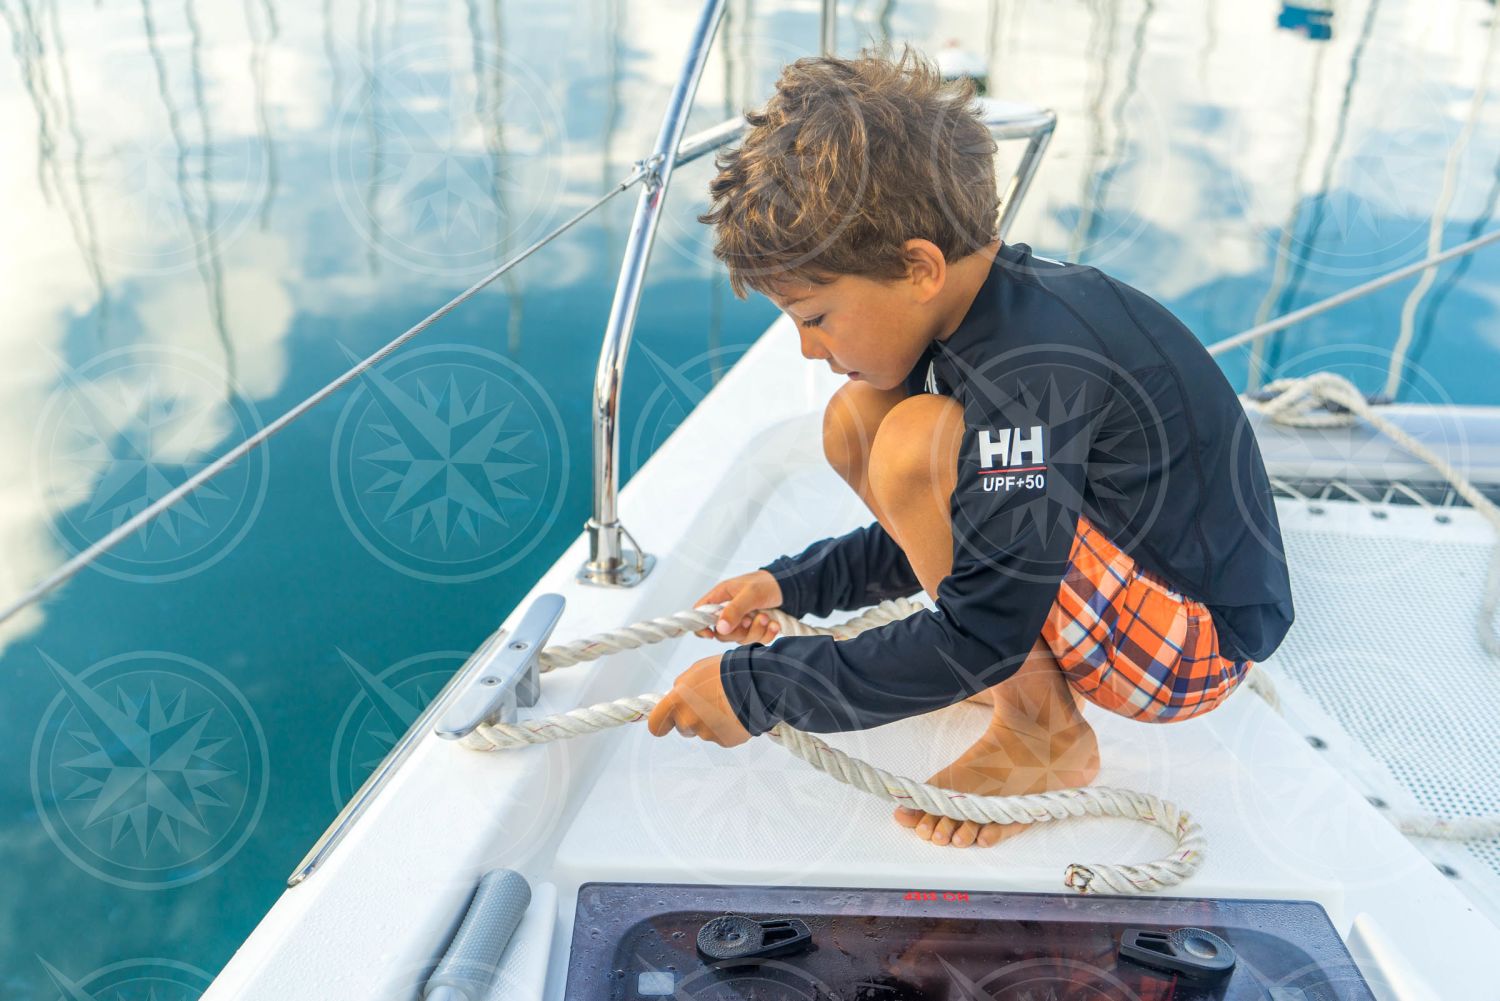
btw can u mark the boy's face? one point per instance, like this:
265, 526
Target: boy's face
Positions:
873, 331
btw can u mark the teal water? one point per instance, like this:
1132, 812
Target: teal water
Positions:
209, 210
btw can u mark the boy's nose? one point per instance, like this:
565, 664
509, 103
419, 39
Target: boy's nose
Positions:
811, 349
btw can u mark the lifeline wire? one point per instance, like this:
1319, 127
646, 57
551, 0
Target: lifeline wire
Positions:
120, 532
642, 169
1374, 285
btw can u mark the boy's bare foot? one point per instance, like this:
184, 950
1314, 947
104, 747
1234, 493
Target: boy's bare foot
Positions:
1036, 740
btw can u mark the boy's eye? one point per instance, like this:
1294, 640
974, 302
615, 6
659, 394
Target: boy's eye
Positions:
814, 322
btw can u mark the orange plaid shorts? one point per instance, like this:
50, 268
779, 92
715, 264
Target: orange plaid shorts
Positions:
1131, 644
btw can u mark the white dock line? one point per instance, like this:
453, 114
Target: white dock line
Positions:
1036, 808
1302, 403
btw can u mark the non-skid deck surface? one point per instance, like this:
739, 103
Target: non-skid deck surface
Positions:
1386, 668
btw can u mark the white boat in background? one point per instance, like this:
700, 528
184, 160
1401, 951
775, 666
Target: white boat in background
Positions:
631, 846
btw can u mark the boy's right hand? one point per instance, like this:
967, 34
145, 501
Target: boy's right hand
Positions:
744, 594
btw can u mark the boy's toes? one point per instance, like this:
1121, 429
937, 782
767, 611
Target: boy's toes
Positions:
992, 834
942, 830
907, 817
967, 832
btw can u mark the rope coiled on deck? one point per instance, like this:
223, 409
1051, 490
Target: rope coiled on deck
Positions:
1094, 801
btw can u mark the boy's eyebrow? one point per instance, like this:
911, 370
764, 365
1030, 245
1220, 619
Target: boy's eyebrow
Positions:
793, 302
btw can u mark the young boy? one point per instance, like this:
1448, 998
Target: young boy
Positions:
1047, 452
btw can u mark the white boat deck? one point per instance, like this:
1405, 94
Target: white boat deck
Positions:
740, 482
1386, 672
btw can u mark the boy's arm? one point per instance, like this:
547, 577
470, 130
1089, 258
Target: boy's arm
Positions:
849, 572
1011, 547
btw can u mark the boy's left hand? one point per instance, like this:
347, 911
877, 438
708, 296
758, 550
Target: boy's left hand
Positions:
696, 707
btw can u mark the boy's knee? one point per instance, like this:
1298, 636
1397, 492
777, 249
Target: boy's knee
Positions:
850, 422
839, 442
917, 446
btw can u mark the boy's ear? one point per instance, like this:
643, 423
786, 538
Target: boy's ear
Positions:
926, 268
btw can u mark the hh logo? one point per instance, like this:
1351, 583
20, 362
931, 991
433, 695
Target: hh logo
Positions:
1009, 459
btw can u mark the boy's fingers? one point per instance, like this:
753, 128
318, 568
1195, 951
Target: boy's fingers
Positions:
715, 594
734, 614
660, 721
768, 632
714, 597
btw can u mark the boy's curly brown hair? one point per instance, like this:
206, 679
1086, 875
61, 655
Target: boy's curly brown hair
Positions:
848, 160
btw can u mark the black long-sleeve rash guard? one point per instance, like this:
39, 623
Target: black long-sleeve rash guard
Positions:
1079, 394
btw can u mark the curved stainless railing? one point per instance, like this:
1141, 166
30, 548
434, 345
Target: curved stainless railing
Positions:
610, 563
606, 564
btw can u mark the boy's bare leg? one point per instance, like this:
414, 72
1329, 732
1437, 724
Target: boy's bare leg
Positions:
1037, 738
850, 423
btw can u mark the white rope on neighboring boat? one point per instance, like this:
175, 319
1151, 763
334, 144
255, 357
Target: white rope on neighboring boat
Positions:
1418, 825
1302, 402
1094, 801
